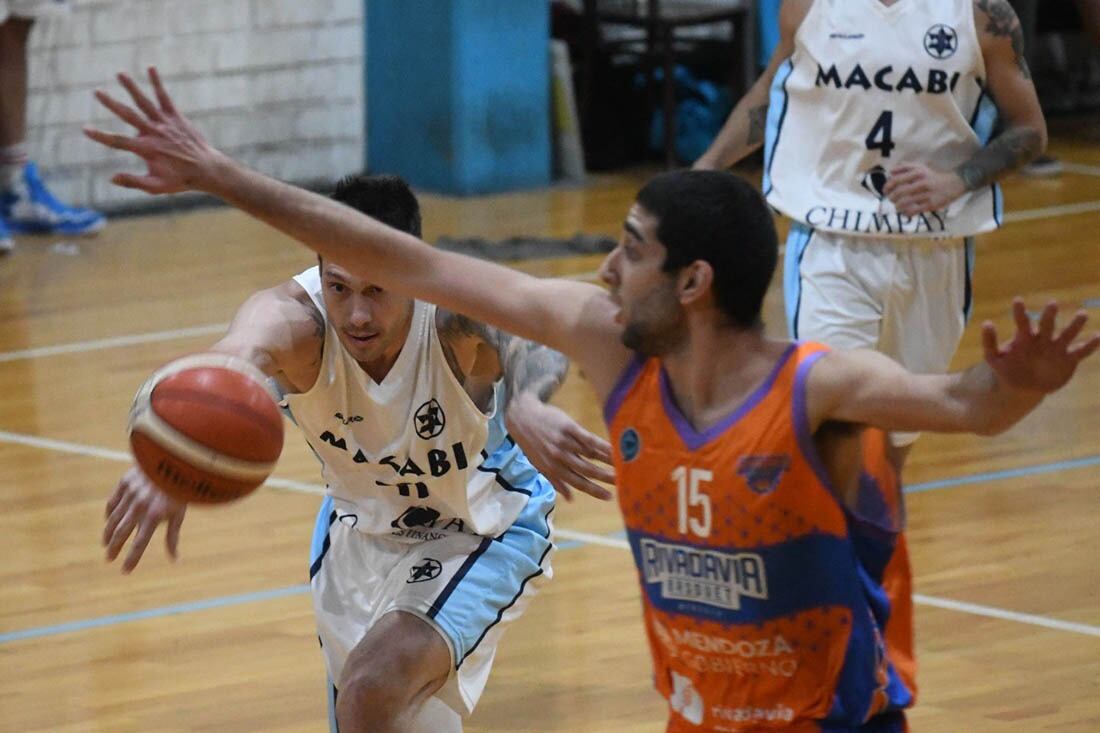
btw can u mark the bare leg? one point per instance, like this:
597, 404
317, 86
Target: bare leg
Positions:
13, 80
389, 675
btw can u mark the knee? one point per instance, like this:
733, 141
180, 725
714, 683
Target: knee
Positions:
378, 697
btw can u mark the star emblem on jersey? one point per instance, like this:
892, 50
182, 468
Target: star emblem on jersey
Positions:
427, 569
941, 41
874, 181
429, 420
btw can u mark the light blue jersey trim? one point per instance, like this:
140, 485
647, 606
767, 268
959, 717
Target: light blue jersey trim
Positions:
984, 122
777, 114
331, 696
496, 575
798, 240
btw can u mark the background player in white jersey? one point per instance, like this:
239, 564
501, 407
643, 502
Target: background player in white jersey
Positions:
878, 119
436, 530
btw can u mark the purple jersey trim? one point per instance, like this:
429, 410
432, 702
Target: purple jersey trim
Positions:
622, 386
801, 419
695, 440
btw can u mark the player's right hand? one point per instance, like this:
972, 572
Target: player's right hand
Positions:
139, 505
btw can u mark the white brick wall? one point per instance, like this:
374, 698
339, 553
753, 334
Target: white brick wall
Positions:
277, 83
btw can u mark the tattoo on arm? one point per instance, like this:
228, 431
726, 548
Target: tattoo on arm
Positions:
1008, 151
318, 331
1004, 23
758, 118
527, 366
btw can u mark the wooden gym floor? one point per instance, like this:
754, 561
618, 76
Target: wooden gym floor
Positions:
1003, 531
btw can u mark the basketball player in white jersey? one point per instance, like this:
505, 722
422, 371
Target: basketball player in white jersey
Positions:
878, 120
436, 530
687, 281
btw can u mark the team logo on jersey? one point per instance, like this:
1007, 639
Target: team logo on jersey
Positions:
874, 181
415, 516
763, 473
711, 577
630, 444
349, 520
428, 569
941, 41
686, 700
429, 420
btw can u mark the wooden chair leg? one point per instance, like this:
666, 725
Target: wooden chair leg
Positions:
669, 101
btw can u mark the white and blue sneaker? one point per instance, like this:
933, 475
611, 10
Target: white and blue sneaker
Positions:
6, 243
28, 207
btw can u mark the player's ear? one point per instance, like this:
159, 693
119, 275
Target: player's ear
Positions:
695, 281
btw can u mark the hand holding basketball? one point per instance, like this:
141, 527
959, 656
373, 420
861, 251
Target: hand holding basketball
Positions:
205, 429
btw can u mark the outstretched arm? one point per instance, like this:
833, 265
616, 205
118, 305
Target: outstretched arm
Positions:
915, 189
281, 333
574, 318
869, 388
563, 451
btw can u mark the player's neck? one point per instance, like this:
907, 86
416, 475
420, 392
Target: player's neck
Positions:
380, 366
715, 369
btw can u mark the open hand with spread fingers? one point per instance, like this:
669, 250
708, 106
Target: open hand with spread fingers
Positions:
176, 154
570, 457
1038, 359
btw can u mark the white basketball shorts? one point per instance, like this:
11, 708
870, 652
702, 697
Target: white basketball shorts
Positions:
907, 298
468, 588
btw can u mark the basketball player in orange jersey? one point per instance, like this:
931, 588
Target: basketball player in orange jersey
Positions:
878, 120
766, 544
435, 533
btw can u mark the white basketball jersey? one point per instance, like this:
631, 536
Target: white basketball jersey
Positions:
870, 87
408, 457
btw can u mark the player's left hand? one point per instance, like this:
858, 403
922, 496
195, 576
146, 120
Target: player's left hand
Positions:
564, 452
917, 189
176, 154
1038, 359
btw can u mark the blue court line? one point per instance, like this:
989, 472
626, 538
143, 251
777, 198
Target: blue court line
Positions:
978, 478
121, 618
225, 601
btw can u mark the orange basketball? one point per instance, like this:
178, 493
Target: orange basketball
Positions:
205, 429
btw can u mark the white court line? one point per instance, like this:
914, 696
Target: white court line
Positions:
591, 539
918, 598
1051, 212
78, 347
1082, 169
1000, 613
593, 276
63, 446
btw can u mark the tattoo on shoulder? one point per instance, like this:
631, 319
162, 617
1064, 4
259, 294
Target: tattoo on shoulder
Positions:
318, 331
1002, 22
758, 119
527, 366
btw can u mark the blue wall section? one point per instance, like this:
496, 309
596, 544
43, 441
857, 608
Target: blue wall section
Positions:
458, 93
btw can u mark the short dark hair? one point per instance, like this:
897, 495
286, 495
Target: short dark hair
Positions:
717, 217
386, 198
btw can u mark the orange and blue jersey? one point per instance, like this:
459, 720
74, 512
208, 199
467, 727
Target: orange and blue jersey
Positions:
770, 601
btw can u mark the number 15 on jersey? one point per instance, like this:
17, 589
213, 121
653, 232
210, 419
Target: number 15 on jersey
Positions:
693, 504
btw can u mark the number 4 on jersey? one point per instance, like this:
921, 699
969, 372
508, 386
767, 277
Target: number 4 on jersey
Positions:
879, 138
